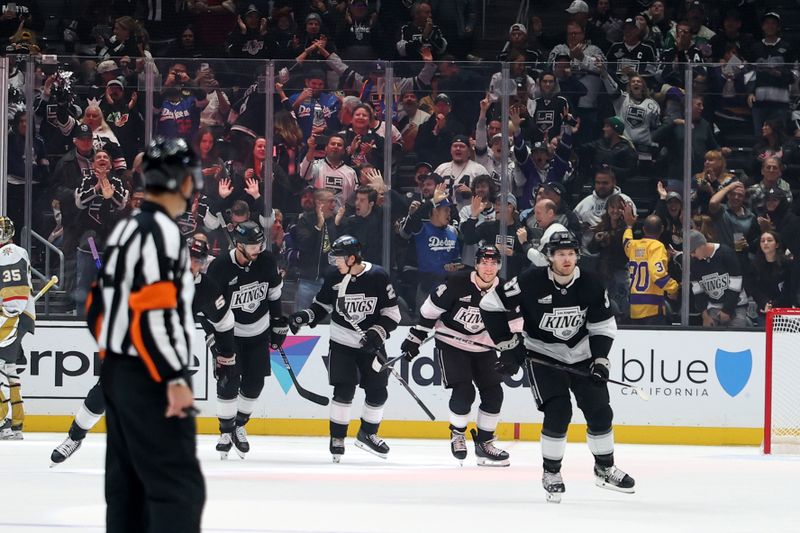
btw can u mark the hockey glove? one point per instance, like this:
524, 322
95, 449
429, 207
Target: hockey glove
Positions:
299, 319
600, 369
279, 328
373, 339
224, 367
512, 356
410, 346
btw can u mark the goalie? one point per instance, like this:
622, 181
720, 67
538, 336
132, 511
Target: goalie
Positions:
17, 318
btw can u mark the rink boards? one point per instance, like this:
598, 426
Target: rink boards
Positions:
705, 387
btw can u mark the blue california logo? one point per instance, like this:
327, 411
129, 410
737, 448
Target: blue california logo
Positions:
298, 350
733, 370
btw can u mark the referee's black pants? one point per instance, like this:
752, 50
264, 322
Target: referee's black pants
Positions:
153, 478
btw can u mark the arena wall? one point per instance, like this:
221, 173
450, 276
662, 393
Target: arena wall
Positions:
705, 387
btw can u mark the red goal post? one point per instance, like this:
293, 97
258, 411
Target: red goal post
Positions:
782, 382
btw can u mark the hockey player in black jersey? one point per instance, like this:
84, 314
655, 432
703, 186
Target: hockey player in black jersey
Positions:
364, 311
249, 279
209, 310
567, 321
453, 309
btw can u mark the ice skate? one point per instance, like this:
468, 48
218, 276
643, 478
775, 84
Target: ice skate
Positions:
64, 451
6, 433
337, 449
487, 454
554, 486
613, 478
458, 445
224, 445
17, 432
240, 443
372, 443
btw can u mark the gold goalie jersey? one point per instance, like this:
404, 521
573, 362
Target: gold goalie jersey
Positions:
16, 291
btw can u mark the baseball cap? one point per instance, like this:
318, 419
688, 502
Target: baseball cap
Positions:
115, 81
251, 9
107, 66
83, 131
433, 176
556, 186
314, 16
511, 199
518, 27
442, 203
578, 6
630, 21
772, 14
442, 97
617, 124
460, 139
539, 145
696, 240
673, 196
696, 5
424, 164
775, 192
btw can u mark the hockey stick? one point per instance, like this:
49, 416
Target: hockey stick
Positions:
304, 393
640, 392
52, 281
393, 360
343, 311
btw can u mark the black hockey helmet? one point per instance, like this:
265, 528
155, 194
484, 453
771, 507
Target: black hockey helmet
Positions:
345, 246
562, 240
167, 161
488, 251
198, 248
248, 232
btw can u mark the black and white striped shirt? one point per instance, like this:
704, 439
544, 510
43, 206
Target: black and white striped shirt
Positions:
141, 305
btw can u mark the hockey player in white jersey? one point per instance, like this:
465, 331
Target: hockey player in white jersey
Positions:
17, 318
363, 309
567, 321
452, 312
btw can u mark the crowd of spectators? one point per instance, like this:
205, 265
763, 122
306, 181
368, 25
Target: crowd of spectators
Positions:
595, 144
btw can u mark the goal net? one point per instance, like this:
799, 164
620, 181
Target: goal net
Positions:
782, 374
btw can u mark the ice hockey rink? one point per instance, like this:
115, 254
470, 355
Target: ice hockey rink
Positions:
289, 484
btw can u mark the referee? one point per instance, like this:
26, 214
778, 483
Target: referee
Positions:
140, 312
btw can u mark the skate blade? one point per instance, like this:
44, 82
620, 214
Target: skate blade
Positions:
608, 486
240, 453
554, 497
366, 448
336, 459
488, 462
223, 456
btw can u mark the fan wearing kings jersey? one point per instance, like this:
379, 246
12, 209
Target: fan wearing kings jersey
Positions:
363, 309
453, 309
249, 279
567, 321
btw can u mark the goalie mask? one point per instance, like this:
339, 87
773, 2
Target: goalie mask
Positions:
7, 230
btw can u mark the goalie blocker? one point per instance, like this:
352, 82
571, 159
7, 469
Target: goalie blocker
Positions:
567, 319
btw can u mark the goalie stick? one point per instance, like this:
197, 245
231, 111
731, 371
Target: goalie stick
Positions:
381, 355
52, 281
639, 390
304, 393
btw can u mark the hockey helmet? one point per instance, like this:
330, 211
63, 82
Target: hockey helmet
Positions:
345, 246
562, 240
248, 232
488, 251
7, 229
198, 248
167, 161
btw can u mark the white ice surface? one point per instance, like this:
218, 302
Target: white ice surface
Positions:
289, 484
